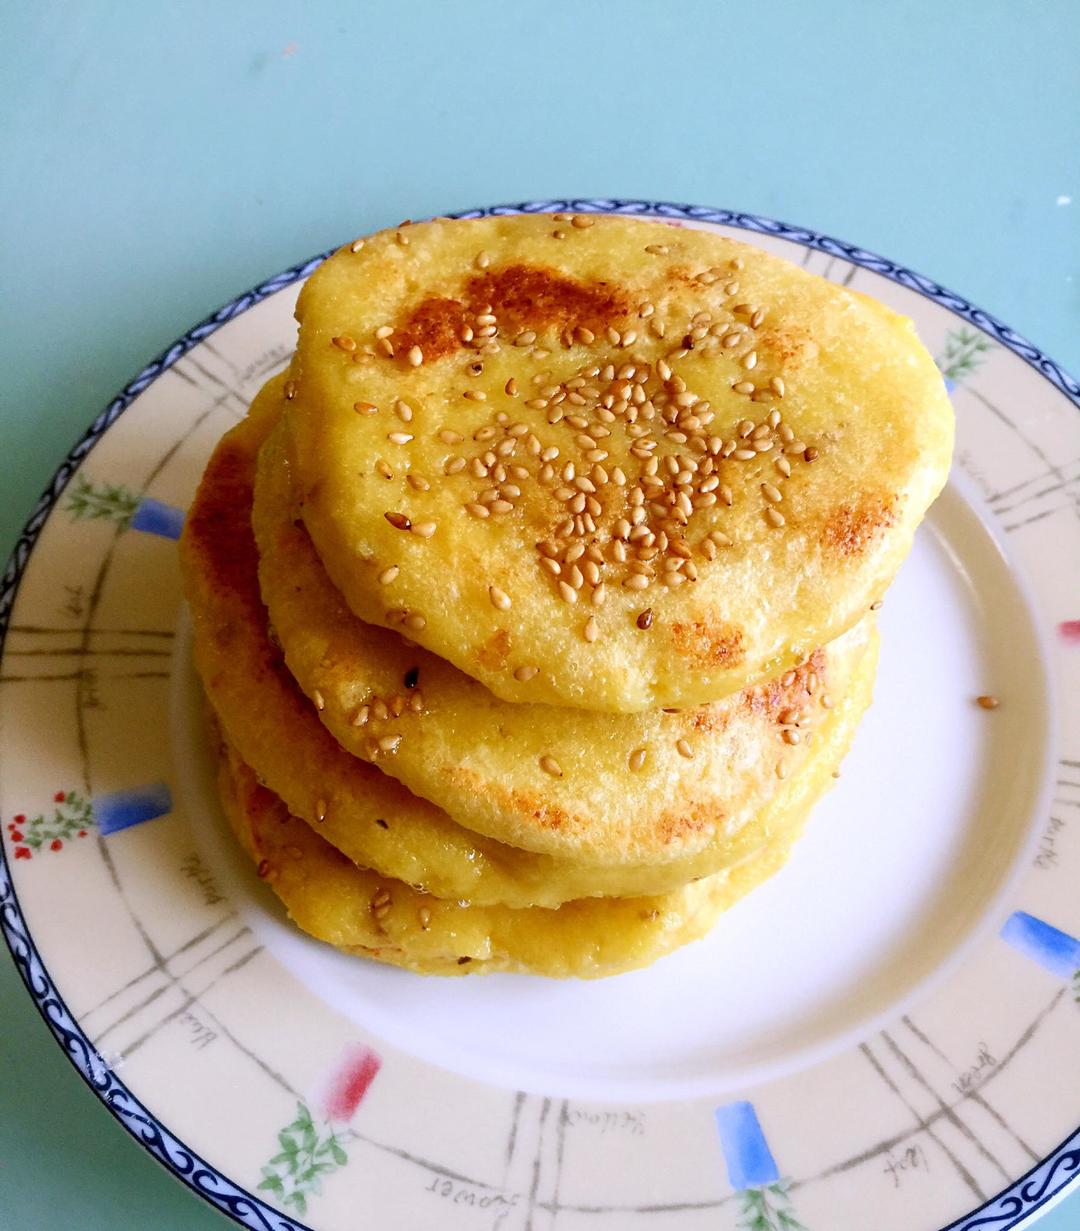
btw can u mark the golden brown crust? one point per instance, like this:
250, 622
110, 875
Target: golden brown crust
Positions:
361, 811
572, 783
371, 916
734, 443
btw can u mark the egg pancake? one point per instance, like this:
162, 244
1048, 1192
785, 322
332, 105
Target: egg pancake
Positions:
604, 463
599, 788
363, 812
372, 916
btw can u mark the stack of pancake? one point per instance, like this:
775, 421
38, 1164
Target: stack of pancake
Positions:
534, 602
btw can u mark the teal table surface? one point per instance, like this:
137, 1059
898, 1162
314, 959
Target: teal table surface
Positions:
156, 159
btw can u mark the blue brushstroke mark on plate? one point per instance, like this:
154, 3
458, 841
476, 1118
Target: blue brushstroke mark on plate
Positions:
122, 809
950, 386
750, 1163
1052, 948
153, 517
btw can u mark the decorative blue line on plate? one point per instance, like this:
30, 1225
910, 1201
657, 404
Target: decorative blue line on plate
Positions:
153, 517
750, 1163
122, 809
1052, 948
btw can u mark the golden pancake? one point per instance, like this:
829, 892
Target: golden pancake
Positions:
599, 788
732, 444
354, 909
367, 815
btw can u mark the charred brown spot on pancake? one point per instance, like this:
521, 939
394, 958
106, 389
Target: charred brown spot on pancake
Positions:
852, 525
790, 690
218, 526
678, 826
790, 347
520, 297
708, 645
435, 326
533, 296
495, 651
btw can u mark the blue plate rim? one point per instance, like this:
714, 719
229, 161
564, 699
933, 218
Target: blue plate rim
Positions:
1013, 1206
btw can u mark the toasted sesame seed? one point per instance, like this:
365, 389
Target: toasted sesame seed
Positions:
988, 702
290, 390
398, 520
791, 737
415, 356
389, 743
749, 360
425, 529
776, 384
826, 701
636, 581
684, 749
388, 575
743, 386
743, 455
599, 595
811, 454
499, 598
424, 915
386, 347
771, 493
796, 446
784, 466
757, 317
483, 260
645, 619
657, 249
361, 716
345, 343
550, 766
524, 674
781, 770
581, 221
591, 630
637, 759
415, 621
774, 517
398, 438
365, 408
501, 506
357, 244
567, 592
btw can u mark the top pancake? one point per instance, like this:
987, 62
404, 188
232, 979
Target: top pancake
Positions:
606, 463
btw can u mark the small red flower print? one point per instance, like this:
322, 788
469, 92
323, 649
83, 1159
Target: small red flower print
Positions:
16, 836
55, 844
19, 818
60, 796
82, 833
1070, 630
22, 852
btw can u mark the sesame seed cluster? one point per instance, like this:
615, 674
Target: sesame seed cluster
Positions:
493, 664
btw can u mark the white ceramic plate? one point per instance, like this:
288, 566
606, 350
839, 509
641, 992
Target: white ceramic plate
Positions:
884, 1035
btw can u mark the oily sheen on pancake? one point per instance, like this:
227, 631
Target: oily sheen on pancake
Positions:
361, 811
602, 462
601, 788
362, 912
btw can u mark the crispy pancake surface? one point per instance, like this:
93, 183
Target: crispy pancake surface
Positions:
602, 462
362, 912
601, 788
363, 812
